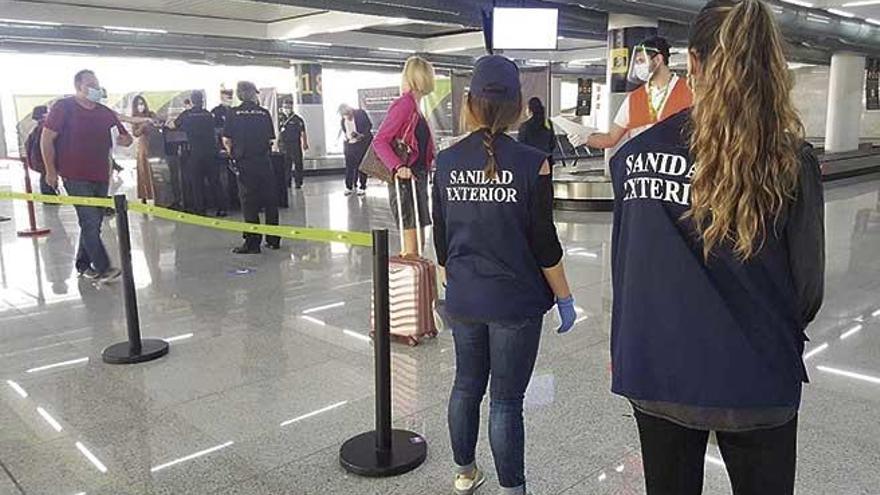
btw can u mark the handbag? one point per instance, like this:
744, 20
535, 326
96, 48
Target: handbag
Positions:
373, 166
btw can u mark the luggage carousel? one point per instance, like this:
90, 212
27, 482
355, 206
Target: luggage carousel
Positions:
586, 188
582, 188
864, 161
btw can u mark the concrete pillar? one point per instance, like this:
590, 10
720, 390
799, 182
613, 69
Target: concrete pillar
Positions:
555, 97
310, 106
624, 32
3, 151
845, 87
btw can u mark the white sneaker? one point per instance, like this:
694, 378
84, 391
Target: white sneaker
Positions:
349, 192
362, 192
468, 485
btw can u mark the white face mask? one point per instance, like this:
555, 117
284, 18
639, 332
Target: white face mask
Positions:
642, 71
142, 108
95, 94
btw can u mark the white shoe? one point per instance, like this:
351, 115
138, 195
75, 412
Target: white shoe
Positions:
89, 274
349, 192
468, 485
362, 192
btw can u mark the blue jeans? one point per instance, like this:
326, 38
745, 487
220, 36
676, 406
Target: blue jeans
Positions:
91, 252
506, 352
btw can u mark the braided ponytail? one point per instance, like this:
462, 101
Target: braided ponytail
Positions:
491, 170
492, 118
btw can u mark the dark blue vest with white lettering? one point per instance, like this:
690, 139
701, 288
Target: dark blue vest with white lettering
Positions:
722, 333
492, 274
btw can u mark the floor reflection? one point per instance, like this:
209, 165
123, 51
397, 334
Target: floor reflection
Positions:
282, 336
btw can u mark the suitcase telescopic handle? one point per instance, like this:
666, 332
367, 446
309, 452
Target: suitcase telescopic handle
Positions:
415, 205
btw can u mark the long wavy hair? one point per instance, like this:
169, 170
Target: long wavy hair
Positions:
745, 131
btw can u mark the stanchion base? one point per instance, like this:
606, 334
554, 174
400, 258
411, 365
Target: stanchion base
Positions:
359, 456
34, 233
121, 353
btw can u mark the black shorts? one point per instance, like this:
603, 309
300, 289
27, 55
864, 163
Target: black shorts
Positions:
421, 184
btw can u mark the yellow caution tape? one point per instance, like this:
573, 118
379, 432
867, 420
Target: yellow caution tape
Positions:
284, 231
59, 200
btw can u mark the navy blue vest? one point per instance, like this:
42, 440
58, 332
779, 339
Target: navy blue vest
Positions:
721, 333
492, 274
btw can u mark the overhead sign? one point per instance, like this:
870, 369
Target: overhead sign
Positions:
872, 84
310, 88
585, 97
376, 101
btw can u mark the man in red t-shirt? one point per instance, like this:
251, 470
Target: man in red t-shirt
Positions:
76, 145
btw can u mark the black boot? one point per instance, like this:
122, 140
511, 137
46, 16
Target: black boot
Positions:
245, 249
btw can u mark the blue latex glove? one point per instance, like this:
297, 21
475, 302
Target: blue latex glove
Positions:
567, 314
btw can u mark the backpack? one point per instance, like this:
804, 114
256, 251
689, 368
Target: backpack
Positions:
33, 152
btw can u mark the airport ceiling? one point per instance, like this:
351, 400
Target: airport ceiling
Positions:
226, 9
373, 32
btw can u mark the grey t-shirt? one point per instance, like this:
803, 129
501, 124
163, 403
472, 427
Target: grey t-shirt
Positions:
718, 418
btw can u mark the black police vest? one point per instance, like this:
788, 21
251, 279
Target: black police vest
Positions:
492, 273
251, 129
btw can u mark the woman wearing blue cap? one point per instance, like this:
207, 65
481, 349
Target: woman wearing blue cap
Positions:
494, 234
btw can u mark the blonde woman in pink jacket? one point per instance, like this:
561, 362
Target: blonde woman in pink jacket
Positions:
405, 122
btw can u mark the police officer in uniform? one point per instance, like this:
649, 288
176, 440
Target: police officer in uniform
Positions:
198, 124
293, 140
494, 234
221, 111
248, 137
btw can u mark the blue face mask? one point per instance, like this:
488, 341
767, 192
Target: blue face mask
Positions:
95, 94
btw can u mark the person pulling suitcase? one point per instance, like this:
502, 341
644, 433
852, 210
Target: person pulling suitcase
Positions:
412, 283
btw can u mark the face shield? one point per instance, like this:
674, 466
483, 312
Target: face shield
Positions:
643, 64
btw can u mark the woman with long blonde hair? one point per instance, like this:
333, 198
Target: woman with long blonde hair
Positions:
405, 123
719, 264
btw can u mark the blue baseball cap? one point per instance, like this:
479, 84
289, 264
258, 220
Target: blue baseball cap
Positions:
496, 78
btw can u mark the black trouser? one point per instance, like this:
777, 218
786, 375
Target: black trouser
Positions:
203, 167
174, 170
187, 175
257, 190
759, 462
354, 154
293, 164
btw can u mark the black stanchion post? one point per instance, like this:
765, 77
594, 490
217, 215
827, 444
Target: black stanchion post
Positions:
385, 451
136, 350
382, 342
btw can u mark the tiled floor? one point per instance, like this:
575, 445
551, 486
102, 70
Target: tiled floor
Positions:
253, 349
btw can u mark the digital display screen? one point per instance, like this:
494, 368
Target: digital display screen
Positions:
524, 28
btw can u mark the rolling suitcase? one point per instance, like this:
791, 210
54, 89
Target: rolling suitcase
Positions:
163, 186
412, 282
